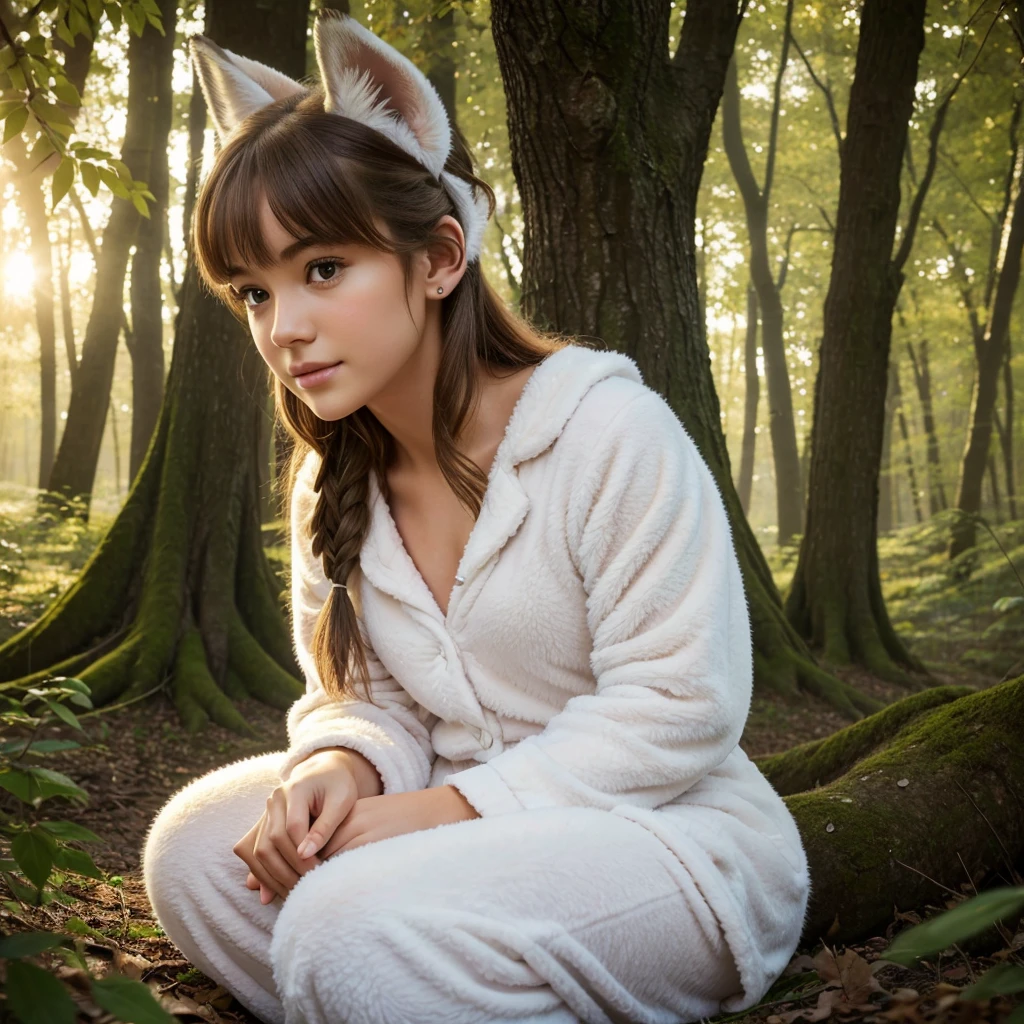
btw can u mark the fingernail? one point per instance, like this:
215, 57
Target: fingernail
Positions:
266, 896
306, 848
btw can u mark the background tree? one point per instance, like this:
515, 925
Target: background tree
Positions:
628, 177
179, 593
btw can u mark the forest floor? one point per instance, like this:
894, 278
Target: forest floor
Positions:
134, 758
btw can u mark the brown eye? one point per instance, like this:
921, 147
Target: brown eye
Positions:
328, 269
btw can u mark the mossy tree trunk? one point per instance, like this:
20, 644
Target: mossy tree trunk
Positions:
179, 593
836, 598
908, 804
608, 142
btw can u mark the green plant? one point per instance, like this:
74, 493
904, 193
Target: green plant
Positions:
964, 920
39, 853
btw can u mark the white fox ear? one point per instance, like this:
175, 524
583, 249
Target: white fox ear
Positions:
369, 81
235, 86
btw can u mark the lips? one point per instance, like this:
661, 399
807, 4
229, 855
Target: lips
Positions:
304, 368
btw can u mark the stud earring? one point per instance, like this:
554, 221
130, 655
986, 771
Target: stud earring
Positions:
440, 290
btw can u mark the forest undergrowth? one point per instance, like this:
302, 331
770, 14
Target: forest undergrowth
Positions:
961, 617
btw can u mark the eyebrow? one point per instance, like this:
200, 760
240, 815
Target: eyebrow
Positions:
285, 254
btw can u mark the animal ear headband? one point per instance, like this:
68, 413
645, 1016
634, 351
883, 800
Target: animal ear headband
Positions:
363, 78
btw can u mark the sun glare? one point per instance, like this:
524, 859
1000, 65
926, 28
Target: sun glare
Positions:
19, 275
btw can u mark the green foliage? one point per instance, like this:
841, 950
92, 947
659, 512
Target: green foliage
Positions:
962, 922
42, 854
38, 103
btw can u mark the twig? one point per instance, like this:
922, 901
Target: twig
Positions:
929, 877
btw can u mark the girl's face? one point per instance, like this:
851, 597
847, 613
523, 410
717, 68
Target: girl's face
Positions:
340, 306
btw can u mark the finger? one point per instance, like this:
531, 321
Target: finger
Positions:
280, 873
266, 895
335, 811
289, 803
252, 882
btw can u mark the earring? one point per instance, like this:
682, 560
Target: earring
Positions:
440, 290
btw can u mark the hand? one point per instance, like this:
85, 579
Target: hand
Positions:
281, 846
381, 817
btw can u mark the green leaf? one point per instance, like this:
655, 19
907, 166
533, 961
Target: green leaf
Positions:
20, 783
1001, 980
65, 714
80, 698
38, 746
112, 181
156, 23
70, 682
95, 9
129, 1001
67, 92
1007, 604
41, 150
140, 205
967, 919
114, 14
17, 77
27, 944
122, 171
24, 892
135, 18
70, 830
9, 106
34, 851
62, 179
64, 33
36, 997
49, 112
14, 124
77, 926
78, 861
35, 45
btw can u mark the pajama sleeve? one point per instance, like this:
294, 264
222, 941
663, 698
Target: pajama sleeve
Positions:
395, 735
669, 628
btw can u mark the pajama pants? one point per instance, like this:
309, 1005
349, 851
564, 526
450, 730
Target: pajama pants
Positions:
550, 915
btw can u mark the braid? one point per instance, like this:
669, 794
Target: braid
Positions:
338, 526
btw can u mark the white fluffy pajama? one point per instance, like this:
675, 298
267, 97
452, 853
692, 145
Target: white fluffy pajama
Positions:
555, 915
586, 691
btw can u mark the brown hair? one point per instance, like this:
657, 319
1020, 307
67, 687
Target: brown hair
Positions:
327, 177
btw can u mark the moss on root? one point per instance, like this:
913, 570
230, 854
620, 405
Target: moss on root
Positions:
818, 762
875, 844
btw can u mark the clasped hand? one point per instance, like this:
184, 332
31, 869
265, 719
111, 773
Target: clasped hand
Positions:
318, 813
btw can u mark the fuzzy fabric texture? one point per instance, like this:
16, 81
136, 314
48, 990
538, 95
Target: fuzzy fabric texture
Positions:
551, 916
598, 655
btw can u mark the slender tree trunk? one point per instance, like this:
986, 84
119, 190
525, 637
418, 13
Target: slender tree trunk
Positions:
992, 352
34, 207
923, 382
74, 469
886, 482
789, 496
67, 320
179, 596
147, 347
1006, 435
752, 394
908, 451
608, 148
836, 598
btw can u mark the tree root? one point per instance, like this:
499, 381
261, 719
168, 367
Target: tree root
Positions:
940, 803
819, 762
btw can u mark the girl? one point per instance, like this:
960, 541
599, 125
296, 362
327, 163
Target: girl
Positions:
513, 789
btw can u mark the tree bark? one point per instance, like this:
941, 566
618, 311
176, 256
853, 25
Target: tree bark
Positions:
147, 336
923, 382
789, 496
928, 789
179, 596
608, 141
751, 397
887, 488
836, 598
74, 468
991, 354
908, 452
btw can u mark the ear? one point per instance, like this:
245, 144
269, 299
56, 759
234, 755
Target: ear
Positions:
369, 81
235, 86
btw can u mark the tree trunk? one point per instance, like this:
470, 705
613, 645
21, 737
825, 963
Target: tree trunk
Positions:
751, 396
789, 497
908, 452
991, 354
34, 206
147, 336
1006, 435
887, 487
607, 148
923, 382
929, 788
836, 598
179, 595
74, 469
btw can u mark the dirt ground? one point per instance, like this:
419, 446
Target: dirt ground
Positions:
146, 757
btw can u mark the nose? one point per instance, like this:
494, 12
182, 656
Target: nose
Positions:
291, 323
